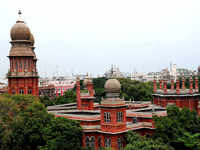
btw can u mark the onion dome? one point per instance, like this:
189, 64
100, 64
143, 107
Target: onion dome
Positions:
112, 86
32, 38
20, 30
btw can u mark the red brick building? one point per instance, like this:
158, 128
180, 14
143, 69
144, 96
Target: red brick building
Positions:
22, 75
106, 124
179, 96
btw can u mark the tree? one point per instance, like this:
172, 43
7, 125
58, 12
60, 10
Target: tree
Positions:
26, 124
137, 142
190, 141
136, 90
68, 97
63, 134
99, 87
177, 126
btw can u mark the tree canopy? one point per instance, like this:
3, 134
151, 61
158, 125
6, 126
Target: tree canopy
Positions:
180, 129
138, 142
26, 124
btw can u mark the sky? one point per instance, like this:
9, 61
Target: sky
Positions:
80, 36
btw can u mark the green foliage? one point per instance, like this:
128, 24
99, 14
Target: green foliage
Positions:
26, 124
68, 97
177, 126
59, 135
136, 90
191, 141
137, 142
47, 101
99, 87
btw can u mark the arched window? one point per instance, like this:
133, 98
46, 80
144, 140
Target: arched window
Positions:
87, 142
29, 91
12, 66
107, 117
16, 66
119, 116
134, 120
24, 64
20, 65
107, 141
21, 91
92, 142
99, 141
29, 65
13, 91
120, 144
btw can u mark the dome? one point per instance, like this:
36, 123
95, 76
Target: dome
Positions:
86, 81
199, 69
32, 38
112, 86
20, 30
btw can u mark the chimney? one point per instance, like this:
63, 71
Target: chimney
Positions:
172, 84
177, 86
183, 83
78, 93
196, 84
191, 85
154, 86
165, 86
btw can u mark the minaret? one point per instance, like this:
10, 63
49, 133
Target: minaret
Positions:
22, 75
113, 114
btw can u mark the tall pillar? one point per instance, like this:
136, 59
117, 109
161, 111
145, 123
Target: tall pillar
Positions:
183, 83
154, 86
90, 88
196, 85
177, 86
172, 84
160, 83
191, 85
165, 86
78, 93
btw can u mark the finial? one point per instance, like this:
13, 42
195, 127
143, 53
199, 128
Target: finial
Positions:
20, 17
19, 12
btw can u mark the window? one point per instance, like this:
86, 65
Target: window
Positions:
120, 144
24, 64
99, 141
107, 117
107, 141
20, 65
87, 142
119, 116
13, 91
21, 91
16, 66
134, 120
29, 91
29, 65
92, 142
12, 64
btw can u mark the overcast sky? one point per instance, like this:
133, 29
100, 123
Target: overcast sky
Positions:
82, 36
